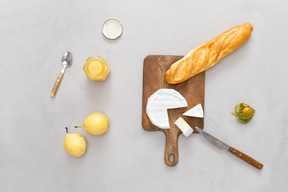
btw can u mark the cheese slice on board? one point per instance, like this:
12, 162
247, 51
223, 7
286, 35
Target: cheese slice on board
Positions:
196, 111
159, 102
184, 126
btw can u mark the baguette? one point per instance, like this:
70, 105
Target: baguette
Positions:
208, 54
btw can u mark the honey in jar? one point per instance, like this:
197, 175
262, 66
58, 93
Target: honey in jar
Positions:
96, 69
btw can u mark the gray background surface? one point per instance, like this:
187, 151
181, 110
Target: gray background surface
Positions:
34, 35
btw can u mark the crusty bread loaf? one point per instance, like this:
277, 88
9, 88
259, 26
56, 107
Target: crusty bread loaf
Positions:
208, 54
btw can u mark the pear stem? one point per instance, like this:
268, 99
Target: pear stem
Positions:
66, 129
79, 126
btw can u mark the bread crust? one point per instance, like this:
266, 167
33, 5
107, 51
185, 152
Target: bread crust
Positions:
208, 54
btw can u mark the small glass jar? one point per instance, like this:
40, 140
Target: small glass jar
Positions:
96, 69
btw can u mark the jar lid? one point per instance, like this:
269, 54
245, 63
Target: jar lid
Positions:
112, 29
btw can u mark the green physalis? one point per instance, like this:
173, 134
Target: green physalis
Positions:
244, 113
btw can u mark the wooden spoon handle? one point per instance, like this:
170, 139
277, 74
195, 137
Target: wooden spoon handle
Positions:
56, 85
171, 149
246, 158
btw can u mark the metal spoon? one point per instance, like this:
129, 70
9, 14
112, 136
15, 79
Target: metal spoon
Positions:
66, 62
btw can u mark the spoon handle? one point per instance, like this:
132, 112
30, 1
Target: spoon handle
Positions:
56, 85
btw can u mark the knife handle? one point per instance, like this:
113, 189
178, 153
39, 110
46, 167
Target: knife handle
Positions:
56, 85
246, 158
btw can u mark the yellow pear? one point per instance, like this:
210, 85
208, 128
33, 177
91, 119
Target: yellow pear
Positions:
74, 144
96, 124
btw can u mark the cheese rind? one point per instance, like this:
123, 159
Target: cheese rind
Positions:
159, 102
184, 127
196, 111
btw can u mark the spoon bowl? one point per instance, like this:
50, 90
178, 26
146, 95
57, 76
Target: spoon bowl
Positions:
66, 59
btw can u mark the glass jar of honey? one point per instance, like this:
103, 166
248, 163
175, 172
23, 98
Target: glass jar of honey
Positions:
96, 69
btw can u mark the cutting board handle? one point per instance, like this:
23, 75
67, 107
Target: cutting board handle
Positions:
171, 148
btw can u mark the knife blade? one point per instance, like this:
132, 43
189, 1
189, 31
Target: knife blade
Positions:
223, 146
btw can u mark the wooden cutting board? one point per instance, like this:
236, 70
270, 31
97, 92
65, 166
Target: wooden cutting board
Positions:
154, 69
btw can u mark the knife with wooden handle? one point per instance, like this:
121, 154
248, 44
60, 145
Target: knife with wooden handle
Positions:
223, 146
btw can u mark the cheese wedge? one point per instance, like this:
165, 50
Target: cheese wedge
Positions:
196, 111
159, 102
184, 127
